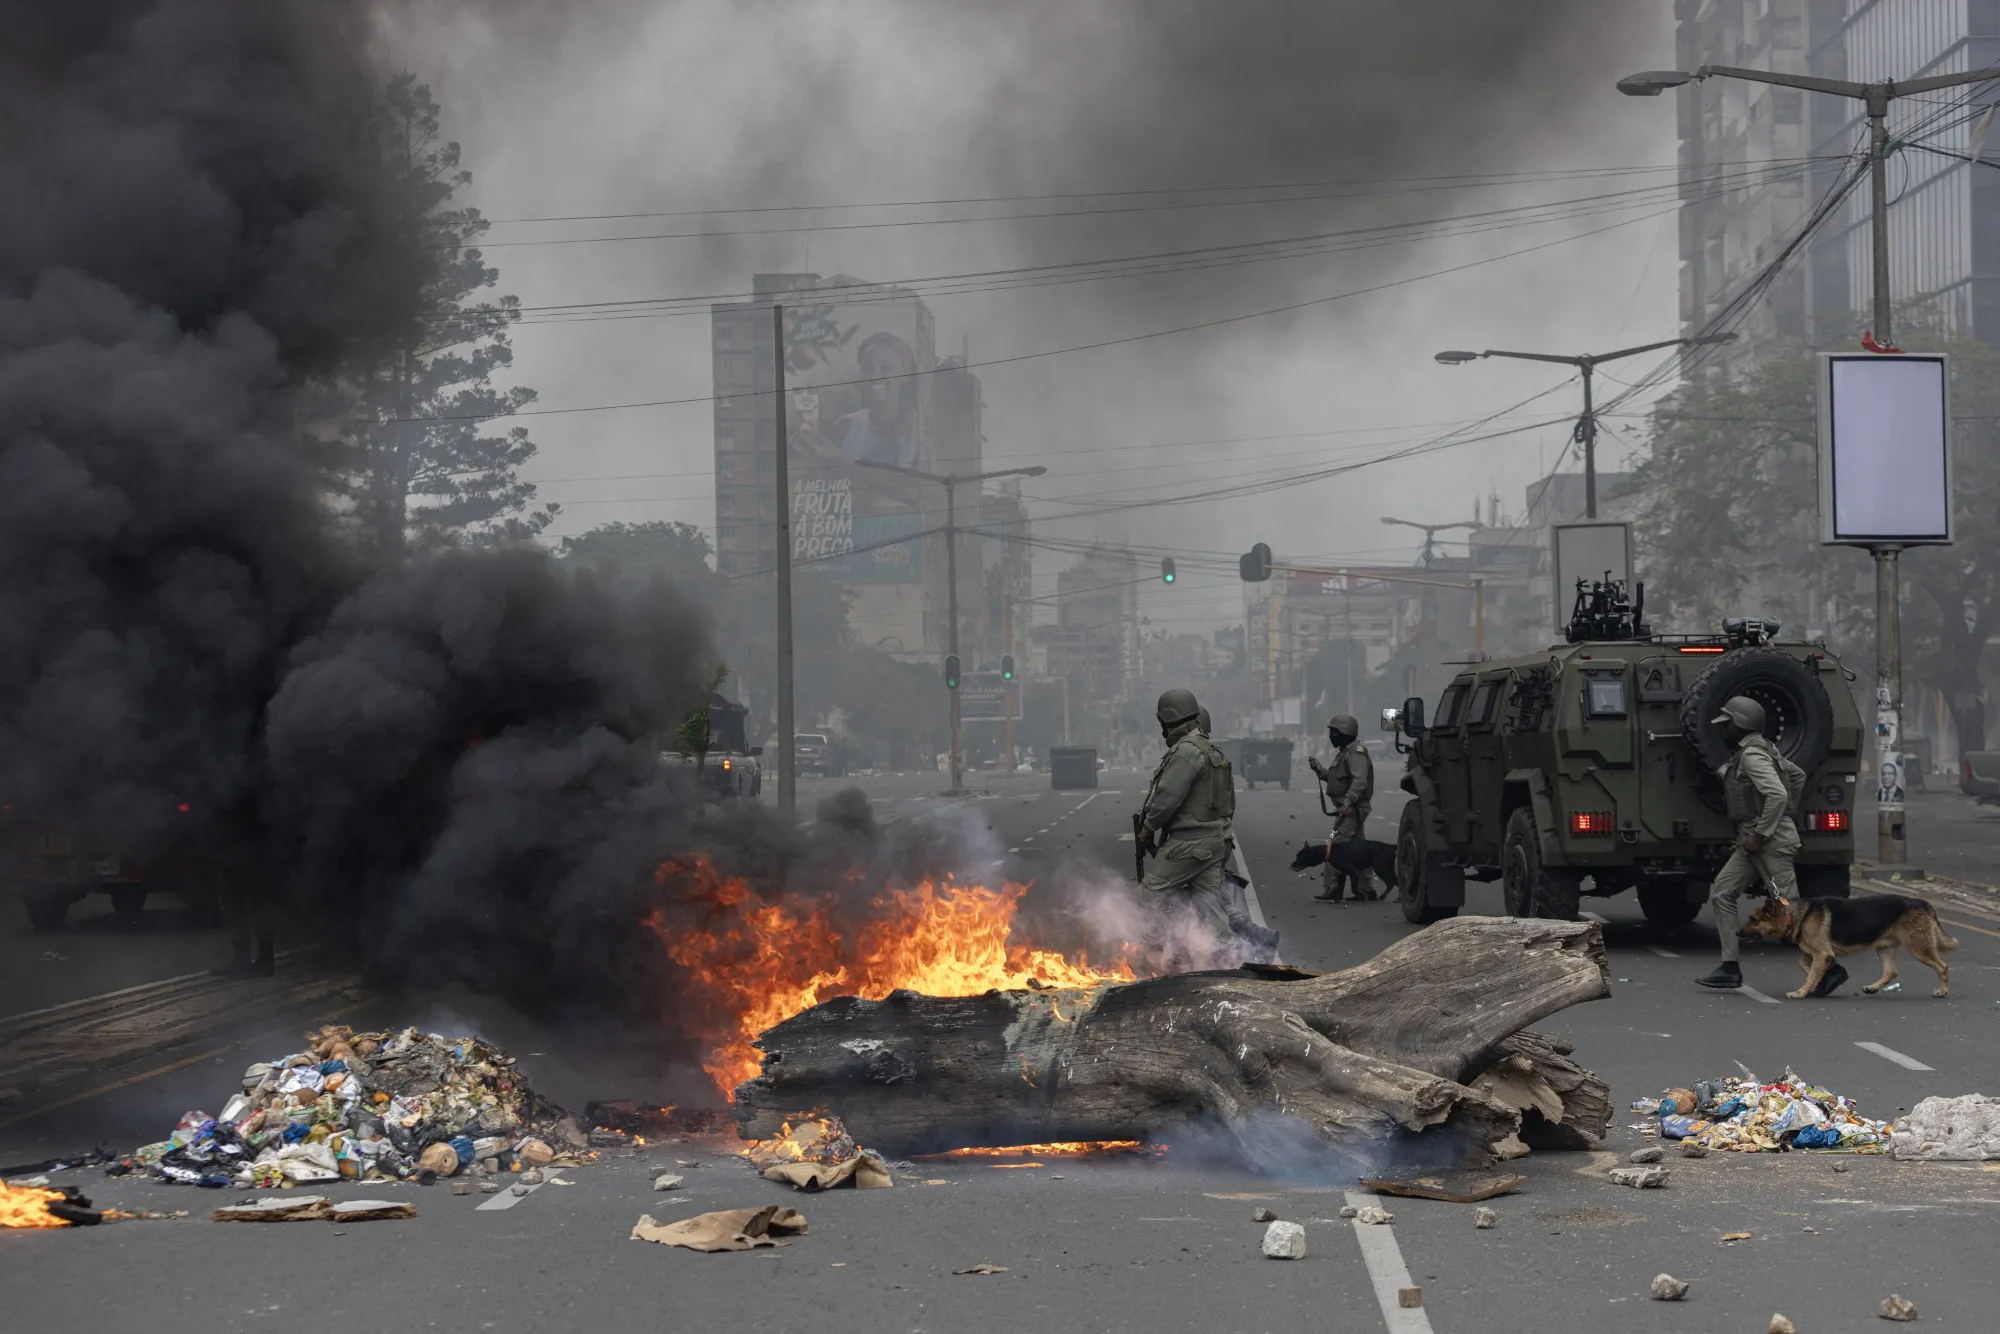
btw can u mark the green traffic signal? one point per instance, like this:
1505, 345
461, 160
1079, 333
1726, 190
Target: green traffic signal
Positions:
1006, 667
951, 671
1167, 569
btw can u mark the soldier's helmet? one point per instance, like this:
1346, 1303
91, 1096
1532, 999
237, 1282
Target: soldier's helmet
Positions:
1343, 724
1177, 706
1202, 722
1745, 712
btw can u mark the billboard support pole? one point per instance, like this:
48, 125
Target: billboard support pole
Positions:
1006, 647
1892, 841
951, 603
788, 793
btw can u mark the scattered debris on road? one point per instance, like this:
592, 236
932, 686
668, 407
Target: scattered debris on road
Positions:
1348, 1211
1736, 1236
1963, 1129
45, 1206
1410, 1299
1652, 1154
1781, 1325
1693, 1148
1639, 1178
981, 1269
725, 1230
1743, 1115
668, 1181
368, 1106
1452, 1188
817, 1154
1368, 1213
277, 1209
1667, 1288
1285, 1241
1895, 1307
1484, 1218
1262, 1216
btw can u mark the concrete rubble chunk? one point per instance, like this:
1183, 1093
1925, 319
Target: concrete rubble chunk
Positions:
461, 1188
489, 1188
1370, 1214
1639, 1178
1691, 1148
1285, 1241
522, 1190
1483, 1218
668, 1181
532, 1177
1348, 1211
1667, 1288
1963, 1129
1896, 1307
368, 1211
1652, 1154
1781, 1325
281, 1209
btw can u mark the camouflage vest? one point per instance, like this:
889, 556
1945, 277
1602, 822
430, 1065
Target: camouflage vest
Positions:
1741, 794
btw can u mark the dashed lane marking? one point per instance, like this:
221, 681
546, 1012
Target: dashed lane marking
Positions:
1125, 838
1386, 1270
1664, 954
507, 1198
1891, 1054
1015, 848
1757, 995
1085, 802
1967, 926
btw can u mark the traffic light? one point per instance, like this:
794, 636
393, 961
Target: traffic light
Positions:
1167, 569
951, 671
1255, 564
1006, 666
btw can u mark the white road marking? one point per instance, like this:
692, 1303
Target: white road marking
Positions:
1250, 904
1386, 1270
999, 861
1085, 802
1757, 995
507, 1199
1593, 917
1664, 954
1016, 848
1891, 1054
1029, 839
1125, 838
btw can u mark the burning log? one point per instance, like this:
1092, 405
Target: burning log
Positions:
1364, 1059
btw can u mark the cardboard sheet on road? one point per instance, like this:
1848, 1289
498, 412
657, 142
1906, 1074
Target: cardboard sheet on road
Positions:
1451, 1187
726, 1230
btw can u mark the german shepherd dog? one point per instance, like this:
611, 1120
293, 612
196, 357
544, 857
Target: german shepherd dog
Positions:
1351, 857
1824, 928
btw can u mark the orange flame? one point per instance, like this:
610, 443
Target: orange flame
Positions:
26, 1206
1064, 1149
753, 964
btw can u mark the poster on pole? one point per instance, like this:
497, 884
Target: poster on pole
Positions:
984, 697
1884, 450
1589, 551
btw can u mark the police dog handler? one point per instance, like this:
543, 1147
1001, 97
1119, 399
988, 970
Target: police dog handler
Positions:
1185, 824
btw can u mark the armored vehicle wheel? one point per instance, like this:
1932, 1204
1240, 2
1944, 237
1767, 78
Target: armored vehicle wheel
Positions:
1666, 902
1532, 890
1410, 854
1798, 715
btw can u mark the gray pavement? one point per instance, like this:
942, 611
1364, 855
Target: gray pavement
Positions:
1125, 1244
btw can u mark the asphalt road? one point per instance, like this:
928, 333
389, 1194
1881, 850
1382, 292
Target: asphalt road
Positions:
1122, 1244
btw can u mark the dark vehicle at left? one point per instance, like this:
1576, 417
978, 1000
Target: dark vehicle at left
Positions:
53, 859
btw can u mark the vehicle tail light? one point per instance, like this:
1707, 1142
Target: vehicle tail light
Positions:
725, 766
1827, 822
1590, 822
185, 808
1703, 648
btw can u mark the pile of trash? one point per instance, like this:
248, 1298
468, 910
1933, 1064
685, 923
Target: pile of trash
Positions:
368, 1107
1747, 1116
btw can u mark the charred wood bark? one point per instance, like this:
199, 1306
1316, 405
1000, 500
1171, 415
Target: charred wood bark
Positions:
1363, 1059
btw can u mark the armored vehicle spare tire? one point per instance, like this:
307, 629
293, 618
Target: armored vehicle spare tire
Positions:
1798, 716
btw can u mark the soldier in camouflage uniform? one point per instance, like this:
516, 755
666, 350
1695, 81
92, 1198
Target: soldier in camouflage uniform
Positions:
1186, 825
1760, 786
1350, 783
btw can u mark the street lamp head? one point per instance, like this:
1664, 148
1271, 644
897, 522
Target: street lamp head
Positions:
1653, 82
1038, 469
1456, 358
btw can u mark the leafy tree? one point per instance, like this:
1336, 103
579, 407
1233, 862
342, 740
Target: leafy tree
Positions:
1729, 511
694, 736
428, 468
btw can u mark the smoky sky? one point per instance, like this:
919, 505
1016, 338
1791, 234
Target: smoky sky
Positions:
611, 107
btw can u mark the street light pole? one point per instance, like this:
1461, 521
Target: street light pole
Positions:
1891, 829
951, 482
1586, 365
788, 781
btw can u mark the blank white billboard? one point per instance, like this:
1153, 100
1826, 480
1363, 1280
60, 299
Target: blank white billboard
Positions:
1589, 551
1884, 450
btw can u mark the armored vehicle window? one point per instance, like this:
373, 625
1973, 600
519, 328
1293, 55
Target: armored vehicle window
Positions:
1451, 705
1484, 703
1606, 696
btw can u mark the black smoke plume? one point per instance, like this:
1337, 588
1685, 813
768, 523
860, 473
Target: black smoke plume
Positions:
450, 762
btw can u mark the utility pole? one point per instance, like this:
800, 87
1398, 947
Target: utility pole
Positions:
1586, 426
788, 780
951, 482
1891, 828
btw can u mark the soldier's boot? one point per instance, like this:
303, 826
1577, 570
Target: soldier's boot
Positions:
1333, 885
1728, 976
1829, 982
267, 954
240, 964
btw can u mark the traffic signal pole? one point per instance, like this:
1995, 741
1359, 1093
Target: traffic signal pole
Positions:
788, 781
1007, 687
951, 577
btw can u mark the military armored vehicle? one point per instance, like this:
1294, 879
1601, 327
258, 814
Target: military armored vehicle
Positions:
1592, 767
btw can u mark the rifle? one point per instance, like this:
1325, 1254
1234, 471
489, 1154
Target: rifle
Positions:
1139, 845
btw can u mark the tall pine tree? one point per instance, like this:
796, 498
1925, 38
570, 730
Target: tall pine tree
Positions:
429, 464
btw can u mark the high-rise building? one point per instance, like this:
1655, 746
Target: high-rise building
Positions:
1944, 217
